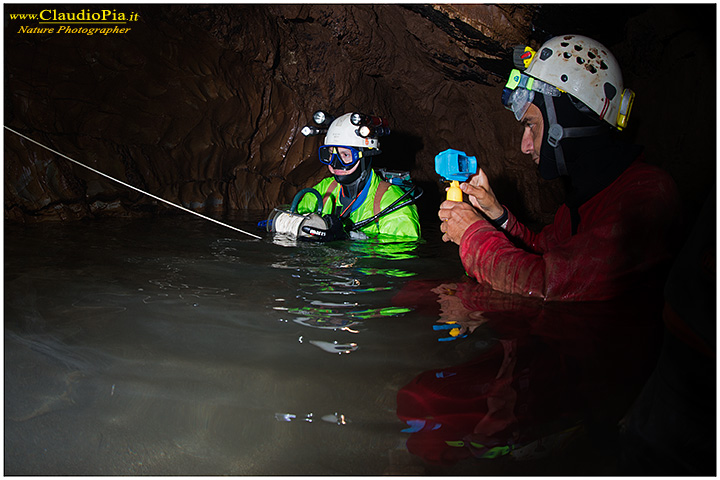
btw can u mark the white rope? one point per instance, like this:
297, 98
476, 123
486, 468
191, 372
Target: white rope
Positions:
134, 188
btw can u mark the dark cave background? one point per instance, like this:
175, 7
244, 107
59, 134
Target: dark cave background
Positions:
203, 104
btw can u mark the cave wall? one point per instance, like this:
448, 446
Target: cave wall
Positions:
203, 105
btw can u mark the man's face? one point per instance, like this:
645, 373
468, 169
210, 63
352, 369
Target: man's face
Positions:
533, 126
346, 156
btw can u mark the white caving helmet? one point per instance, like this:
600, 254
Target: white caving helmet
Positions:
587, 70
342, 132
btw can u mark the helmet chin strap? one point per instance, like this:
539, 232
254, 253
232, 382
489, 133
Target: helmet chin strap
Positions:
557, 132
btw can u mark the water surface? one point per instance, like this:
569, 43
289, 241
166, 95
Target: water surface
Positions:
174, 346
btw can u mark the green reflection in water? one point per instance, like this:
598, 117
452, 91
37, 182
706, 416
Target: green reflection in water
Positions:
362, 314
388, 250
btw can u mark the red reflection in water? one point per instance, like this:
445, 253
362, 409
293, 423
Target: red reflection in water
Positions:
550, 370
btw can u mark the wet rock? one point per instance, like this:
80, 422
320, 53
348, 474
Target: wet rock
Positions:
202, 105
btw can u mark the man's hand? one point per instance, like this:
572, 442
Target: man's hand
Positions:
456, 218
335, 230
482, 196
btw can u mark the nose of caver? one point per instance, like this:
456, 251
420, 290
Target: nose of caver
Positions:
527, 144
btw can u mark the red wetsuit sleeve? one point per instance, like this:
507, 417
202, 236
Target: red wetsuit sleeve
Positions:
624, 233
488, 255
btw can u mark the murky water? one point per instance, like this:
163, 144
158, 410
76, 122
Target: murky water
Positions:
174, 346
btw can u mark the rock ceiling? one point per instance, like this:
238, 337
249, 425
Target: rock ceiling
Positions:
203, 105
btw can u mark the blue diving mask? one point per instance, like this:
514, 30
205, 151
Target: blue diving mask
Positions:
331, 155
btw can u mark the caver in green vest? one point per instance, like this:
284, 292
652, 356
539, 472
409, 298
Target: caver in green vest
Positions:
402, 223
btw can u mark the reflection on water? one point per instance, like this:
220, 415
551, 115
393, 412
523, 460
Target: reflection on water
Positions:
170, 346
546, 375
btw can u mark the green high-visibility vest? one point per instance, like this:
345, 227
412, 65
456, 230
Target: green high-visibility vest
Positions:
403, 222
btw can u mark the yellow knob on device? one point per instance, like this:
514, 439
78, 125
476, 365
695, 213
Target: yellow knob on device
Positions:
454, 193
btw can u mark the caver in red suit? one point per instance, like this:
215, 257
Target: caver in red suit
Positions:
616, 228
624, 238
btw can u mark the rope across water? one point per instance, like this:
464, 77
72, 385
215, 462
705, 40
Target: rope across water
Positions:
132, 187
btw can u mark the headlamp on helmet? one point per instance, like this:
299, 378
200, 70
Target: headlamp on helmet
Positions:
522, 56
323, 118
519, 92
369, 125
368, 131
323, 121
626, 102
361, 119
312, 130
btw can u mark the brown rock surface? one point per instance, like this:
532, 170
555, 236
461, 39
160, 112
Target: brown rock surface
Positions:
203, 105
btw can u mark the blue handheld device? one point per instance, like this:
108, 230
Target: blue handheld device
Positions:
455, 165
